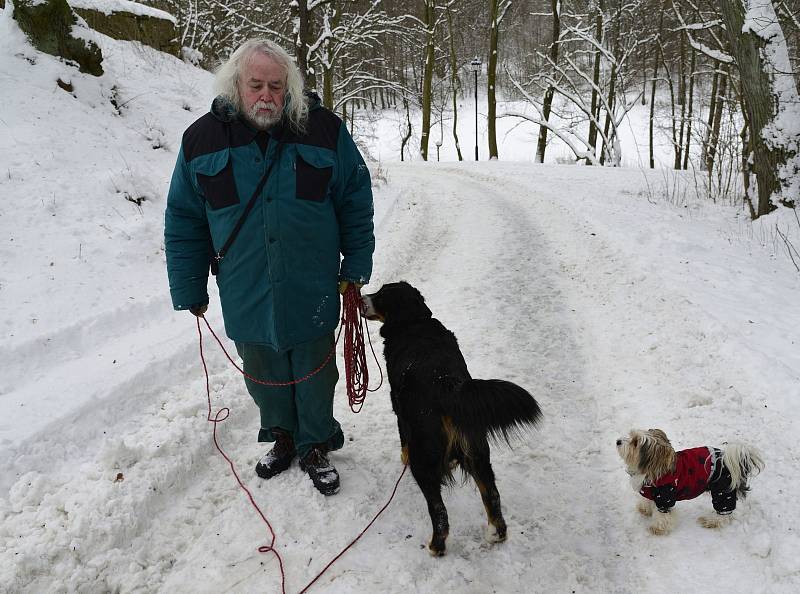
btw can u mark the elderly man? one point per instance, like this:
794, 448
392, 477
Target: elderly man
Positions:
270, 189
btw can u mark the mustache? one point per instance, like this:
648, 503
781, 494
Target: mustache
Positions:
263, 105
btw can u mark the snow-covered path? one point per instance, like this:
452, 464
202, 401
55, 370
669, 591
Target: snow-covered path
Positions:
567, 293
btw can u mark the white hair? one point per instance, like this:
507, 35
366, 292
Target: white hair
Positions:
226, 82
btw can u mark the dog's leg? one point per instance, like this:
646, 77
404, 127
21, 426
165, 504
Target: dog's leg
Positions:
663, 524
432, 490
715, 521
403, 441
645, 507
480, 467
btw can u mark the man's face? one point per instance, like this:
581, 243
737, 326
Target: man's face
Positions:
262, 87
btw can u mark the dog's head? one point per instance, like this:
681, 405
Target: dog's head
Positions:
396, 303
648, 453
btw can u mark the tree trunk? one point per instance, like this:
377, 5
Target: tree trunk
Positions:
491, 75
329, 69
547, 105
610, 113
454, 82
653, 88
672, 119
598, 35
407, 135
712, 110
719, 106
682, 101
304, 40
427, 79
760, 102
692, 65
612, 93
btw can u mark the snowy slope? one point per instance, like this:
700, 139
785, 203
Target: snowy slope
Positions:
615, 308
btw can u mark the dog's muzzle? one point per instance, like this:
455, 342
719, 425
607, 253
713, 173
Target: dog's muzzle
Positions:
367, 308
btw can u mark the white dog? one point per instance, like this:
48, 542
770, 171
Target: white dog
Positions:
663, 476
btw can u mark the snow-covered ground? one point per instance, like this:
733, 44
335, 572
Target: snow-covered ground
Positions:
617, 304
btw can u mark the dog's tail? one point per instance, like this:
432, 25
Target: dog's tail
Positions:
742, 461
495, 407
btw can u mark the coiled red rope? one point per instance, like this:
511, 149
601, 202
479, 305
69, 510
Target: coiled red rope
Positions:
355, 355
357, 376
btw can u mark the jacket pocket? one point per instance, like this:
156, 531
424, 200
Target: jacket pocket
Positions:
217, 183
313, 174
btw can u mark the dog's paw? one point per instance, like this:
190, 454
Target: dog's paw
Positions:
495, 535
658, 530
404, 455
715, 521
662, 525
645, 508
436, 550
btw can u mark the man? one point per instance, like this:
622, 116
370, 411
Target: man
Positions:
278, 274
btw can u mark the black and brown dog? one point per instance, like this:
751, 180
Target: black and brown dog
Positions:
443, 415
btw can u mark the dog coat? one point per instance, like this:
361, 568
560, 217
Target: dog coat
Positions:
697, 470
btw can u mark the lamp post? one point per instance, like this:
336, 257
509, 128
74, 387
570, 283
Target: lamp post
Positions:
476, 68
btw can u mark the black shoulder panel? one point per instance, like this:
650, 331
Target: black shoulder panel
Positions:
322, 130
209, 135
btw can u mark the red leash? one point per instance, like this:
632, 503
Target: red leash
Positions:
220, 416
356, 539
357, 376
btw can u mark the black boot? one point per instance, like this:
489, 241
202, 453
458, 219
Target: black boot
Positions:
321, 471
279, 458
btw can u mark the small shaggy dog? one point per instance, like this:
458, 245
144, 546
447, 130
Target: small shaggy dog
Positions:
663, 476
443, 415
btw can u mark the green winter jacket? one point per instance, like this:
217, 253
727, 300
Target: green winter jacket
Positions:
278, 283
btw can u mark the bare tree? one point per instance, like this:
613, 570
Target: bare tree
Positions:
552, 56
429, 19
497, 11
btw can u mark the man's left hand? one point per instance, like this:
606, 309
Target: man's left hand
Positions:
344, 284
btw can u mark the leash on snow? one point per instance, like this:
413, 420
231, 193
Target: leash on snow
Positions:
357, 376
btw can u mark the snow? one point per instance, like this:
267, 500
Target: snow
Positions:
109, 7
616, 303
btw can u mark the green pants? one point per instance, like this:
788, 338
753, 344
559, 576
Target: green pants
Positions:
305, 409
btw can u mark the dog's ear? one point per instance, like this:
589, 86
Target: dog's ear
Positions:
418, 307
656, 456
404, 303
659, 434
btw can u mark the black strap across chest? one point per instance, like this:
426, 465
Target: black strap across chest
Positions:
216, 257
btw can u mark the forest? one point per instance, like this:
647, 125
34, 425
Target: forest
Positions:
719, 76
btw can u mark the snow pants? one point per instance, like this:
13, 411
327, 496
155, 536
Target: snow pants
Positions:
305, 409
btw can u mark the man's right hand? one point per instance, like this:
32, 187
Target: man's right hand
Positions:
199, 310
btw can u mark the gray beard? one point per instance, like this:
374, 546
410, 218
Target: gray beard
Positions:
261, 121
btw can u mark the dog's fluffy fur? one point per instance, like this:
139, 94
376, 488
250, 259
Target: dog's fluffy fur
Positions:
652, 464
443, 415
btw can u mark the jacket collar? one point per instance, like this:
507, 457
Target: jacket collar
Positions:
223, 109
